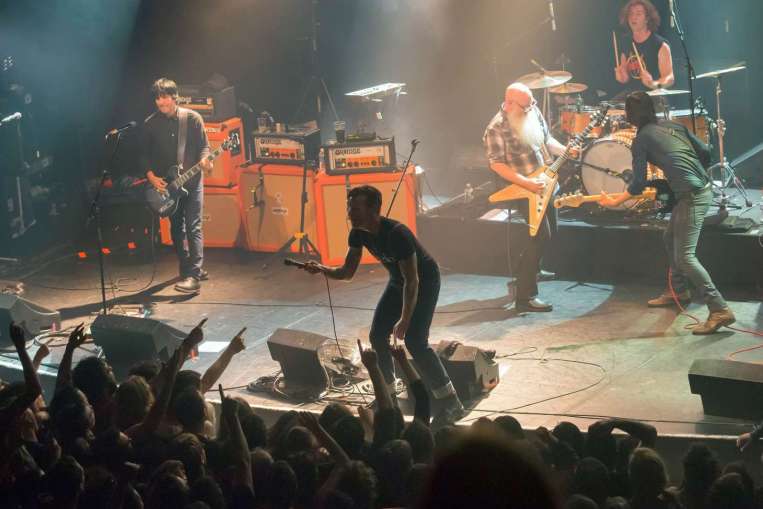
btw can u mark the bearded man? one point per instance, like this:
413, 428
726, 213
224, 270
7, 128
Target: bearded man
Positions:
517, 142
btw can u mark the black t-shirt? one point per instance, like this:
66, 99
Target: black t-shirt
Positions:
649, 51
159, 143
393, 243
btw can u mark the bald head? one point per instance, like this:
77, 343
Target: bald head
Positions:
518, 97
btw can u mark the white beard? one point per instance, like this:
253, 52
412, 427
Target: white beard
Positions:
528, 128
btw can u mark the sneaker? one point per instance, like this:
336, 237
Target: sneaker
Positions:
188, 285
666, 300
715, 321
452, 412
545, 275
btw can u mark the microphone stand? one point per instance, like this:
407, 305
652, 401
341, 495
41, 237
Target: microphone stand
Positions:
95, 214
414, 143
689, 66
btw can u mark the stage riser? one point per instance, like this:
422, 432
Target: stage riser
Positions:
581, 252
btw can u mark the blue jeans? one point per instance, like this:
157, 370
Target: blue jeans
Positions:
185, 228
681, 239
387, 314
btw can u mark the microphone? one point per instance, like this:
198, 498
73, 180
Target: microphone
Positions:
11, 118
120, 130
414, 142
551, 13
672, 16
294, 263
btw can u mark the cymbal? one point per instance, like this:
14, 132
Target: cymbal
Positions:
569, 88
545, 79
659, 92
720, 72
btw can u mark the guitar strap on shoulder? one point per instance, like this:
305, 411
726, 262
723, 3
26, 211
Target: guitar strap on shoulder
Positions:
182, 134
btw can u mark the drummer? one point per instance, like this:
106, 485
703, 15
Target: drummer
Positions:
652, 67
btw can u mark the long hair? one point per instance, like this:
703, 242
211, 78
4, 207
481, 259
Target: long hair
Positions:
164, 86
652, 16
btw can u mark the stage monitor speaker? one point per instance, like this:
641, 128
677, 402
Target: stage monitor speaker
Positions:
331, 209
297, 353
728, 388
126, 340
226, 168
270, 197
473, 371
32, 317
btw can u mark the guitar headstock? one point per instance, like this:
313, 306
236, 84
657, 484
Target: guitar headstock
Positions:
569, 200
231, 143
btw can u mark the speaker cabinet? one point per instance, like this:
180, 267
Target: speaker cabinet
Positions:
472, 371
220, 219
32, 317
297, 353
728, 388
226, 168
270, 202
126, 340
331, 209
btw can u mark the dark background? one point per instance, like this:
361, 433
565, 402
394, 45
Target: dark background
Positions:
89, 64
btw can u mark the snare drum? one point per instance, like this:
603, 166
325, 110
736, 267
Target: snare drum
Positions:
684, 117
574, 120
607, 165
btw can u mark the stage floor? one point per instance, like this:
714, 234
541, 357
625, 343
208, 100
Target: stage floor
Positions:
601, 352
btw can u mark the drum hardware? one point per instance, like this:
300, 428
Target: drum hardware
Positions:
727, 173
544, 79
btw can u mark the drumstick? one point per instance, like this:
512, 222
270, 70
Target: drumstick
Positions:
638, 57
617, 53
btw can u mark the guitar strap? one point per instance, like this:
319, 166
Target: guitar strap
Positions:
182, 134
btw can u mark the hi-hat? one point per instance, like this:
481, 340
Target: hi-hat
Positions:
569, 88
720, 72
545, 79
659, 92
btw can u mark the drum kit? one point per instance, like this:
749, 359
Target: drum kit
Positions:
605, 159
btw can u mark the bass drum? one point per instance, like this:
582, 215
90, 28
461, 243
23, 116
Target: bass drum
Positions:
607, 166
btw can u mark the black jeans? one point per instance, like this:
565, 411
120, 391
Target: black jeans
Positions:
387, 314
185, 228
530, 257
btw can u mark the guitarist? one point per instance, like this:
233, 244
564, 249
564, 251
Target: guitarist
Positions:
517, 142
683, 158
160, 146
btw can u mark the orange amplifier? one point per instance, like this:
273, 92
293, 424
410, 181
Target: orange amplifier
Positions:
225, 169
271, 199
360, 157
297, 147
331, 209
220, 217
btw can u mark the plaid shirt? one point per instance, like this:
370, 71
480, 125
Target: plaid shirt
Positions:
502, 145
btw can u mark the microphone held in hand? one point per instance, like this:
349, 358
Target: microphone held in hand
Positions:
294, 263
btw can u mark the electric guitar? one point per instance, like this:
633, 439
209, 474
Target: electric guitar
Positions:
165, 202
538, 202
657, 190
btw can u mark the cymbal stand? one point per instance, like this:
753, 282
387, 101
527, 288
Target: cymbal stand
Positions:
727, 173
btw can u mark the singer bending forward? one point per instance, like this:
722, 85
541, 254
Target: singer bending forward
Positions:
407, 304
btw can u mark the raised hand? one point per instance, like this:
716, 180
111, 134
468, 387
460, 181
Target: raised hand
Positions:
76, 337
194, 337
398, 353
743, 441
17, 336
368, 357
237, 344
40, 354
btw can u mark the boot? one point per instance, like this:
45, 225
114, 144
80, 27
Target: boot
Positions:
666, 299
451, 412
188, 285
715, 321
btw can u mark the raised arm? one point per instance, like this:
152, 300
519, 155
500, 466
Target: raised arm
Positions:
236, 442
381, 390
422, 409
76, 340
213, 372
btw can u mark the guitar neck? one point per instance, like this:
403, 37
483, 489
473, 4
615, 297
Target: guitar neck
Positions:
192, 171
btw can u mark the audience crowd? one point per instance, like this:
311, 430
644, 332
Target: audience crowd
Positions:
153, 441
